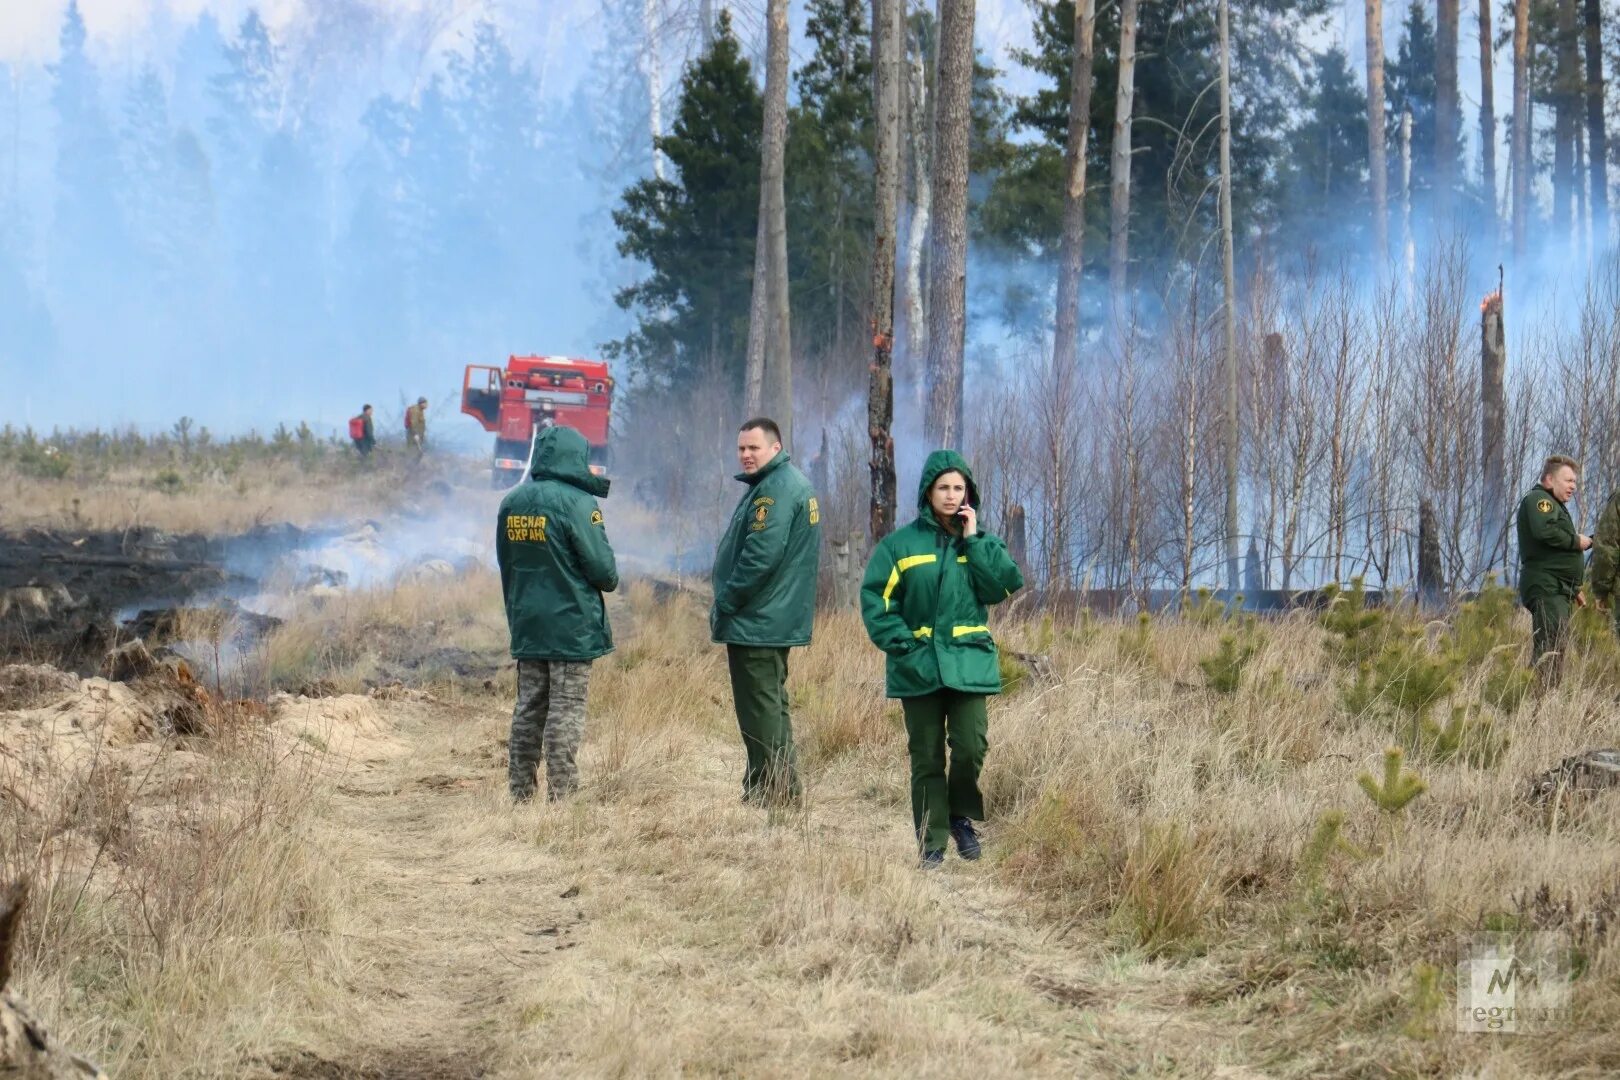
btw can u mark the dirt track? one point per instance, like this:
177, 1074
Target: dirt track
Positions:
649, 929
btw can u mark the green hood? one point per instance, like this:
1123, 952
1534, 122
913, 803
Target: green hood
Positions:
944, 461
562, 454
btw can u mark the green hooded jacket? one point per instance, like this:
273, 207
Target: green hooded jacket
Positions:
1550, 559
554, 555
924, 597
765, 567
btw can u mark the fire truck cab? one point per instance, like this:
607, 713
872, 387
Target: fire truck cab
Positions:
532, 393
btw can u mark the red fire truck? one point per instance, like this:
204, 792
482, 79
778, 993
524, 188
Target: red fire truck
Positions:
534, 392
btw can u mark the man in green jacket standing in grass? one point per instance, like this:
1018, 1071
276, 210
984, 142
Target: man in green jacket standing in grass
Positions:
765, 603
1551, 562
555, 563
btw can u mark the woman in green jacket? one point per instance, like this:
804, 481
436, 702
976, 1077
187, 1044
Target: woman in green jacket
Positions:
923, 600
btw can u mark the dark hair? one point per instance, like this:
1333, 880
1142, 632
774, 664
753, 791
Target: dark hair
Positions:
365, 408
765, 424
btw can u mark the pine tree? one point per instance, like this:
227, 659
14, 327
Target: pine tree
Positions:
695, 231
1412, 84
89, 253
829, 190
1328, 168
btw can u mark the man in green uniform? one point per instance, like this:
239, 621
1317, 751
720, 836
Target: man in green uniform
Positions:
555, 563
1551, 564
765, 601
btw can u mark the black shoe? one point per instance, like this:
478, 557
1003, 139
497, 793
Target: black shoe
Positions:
932, 860
967, 841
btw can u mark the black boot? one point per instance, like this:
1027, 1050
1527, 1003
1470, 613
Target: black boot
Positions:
967, 841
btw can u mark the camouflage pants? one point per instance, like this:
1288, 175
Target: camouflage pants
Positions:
548, 722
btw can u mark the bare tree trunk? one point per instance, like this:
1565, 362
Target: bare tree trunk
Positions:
1377, 167
948, 267
1597, 149
1119, 218
652, 20
887, 45
778, 389
706, 22
768, 376
1429, 575
1408, 242
1520, 157
1487, 118
1229, 288
758, 319
1564, 122
1066, 336
1493, 430
922, 203
1445, 107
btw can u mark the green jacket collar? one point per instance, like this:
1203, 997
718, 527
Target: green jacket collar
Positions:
761, 473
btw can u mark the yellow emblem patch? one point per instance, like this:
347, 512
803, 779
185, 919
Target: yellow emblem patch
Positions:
815, 513
1545, 506
596, 517
760, 513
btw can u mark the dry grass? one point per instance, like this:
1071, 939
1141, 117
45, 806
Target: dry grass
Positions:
1147, 905
180, 906
212, 502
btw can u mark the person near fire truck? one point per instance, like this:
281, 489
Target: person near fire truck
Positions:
1552, 562
363, 431
923, 600
765, 604
416, 425
555, 560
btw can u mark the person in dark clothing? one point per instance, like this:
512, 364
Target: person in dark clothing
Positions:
1552, 563
364, 433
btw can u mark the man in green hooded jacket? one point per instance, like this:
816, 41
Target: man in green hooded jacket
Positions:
555, 563
765, 602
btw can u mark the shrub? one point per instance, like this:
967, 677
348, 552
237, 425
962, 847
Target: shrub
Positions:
1223, 672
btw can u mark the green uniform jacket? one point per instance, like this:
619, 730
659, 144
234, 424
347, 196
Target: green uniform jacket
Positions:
554, 555
765, 568
1550, 559
1606, 550
924, 596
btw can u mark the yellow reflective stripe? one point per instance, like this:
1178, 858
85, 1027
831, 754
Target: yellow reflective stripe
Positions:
961, 558
958, 631
923, 631
894, 575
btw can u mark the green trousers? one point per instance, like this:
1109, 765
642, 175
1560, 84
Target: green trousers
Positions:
759, 692
1549, 632
941, 791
